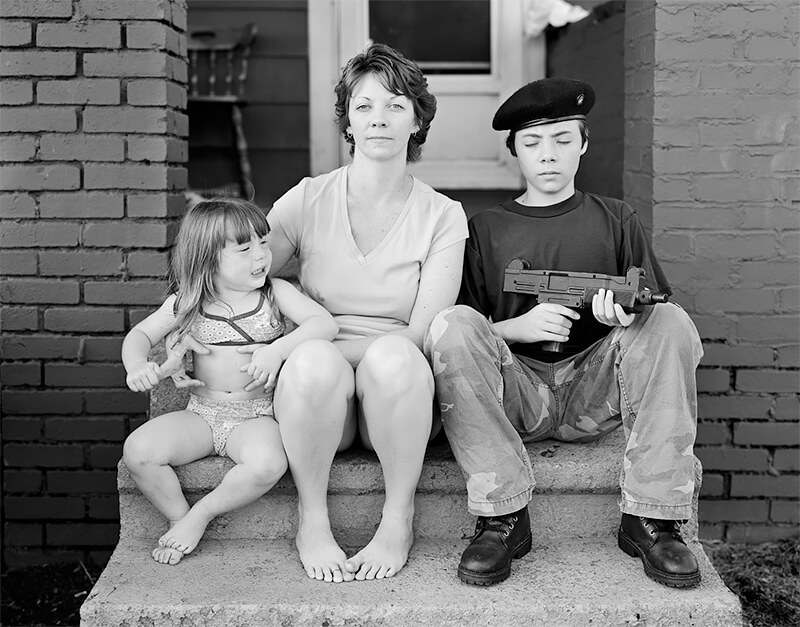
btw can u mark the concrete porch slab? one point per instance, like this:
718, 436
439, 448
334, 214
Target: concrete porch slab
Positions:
260, 582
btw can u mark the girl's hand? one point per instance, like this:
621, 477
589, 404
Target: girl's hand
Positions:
608, 312
181, 379
144, 378
173, 365
264, 365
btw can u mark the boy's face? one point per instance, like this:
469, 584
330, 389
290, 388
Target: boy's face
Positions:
549, 156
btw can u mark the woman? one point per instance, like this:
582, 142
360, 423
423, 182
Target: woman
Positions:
383, 253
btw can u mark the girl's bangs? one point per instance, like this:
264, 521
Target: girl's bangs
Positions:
243, 222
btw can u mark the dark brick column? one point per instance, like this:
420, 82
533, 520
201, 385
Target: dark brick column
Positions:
93, 150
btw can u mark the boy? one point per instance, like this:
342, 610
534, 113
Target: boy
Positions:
499, 386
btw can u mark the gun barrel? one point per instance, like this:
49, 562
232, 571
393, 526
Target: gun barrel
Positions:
646, 297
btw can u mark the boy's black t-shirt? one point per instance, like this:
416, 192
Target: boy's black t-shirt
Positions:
585, 233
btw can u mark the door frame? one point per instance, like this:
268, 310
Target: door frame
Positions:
522, 59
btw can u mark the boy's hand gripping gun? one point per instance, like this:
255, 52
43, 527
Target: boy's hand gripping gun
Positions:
576, 289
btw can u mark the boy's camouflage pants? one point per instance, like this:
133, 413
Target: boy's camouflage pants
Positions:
642, 377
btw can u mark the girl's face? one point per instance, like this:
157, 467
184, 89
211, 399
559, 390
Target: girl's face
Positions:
243, 267
380, 122
549, 156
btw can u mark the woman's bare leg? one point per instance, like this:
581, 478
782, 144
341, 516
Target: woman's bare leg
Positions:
152, 450
395, 389
314, 408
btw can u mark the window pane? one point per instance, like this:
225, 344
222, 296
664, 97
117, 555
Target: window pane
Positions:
442, 36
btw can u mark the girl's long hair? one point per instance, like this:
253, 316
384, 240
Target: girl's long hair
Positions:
205, 231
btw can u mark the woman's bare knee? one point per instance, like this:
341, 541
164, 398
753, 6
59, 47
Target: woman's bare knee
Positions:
312, 372
394, 365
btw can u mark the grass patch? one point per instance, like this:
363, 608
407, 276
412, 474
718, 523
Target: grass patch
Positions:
45, 595
766, 577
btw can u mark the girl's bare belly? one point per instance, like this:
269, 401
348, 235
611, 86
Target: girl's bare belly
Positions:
219, 370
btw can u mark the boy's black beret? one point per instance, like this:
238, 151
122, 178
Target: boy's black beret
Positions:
543, 102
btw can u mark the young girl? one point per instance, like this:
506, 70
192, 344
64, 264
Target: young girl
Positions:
223, 298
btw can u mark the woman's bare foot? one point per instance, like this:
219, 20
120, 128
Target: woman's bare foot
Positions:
166, 555
184, 535
321, 556
386, 553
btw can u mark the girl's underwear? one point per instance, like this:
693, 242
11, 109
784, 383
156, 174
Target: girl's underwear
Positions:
223, 416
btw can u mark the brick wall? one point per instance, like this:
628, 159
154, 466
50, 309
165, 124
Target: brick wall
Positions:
92, 151
715, 85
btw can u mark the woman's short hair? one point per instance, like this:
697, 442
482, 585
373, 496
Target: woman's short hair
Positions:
397, 74
582, 128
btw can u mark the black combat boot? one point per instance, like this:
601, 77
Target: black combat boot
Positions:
665, 555
497, 540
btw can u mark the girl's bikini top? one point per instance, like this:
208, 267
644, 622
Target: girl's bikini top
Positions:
259, 326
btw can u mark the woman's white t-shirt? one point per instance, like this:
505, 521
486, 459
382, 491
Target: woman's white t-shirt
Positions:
367, 294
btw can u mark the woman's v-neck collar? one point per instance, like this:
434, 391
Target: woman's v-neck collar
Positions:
348, 231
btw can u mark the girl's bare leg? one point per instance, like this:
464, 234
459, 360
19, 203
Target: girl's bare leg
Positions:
314, 408
395, 389
150, 452
255, 446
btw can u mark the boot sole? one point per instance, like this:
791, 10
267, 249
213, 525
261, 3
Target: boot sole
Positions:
672, 580
489, 579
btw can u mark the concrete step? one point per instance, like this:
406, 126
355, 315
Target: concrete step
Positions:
260, 582
576, 495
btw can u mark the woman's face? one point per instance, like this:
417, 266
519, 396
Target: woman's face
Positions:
380, 122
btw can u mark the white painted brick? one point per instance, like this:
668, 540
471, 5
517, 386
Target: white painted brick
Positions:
99, 91
78, 35
17, 147
14, 33
16, 92
82, 148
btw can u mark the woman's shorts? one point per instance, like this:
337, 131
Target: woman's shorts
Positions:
223, 416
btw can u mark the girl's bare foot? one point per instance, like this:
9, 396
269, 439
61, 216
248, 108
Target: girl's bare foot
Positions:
321, 556
186, 533
386, 553
166, 555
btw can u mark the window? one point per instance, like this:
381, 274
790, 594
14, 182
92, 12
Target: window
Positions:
418, 29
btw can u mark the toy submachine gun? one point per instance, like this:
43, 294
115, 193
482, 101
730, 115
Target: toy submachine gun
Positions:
576, 289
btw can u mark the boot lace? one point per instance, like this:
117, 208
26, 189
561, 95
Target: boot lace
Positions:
501, 524
657, 526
